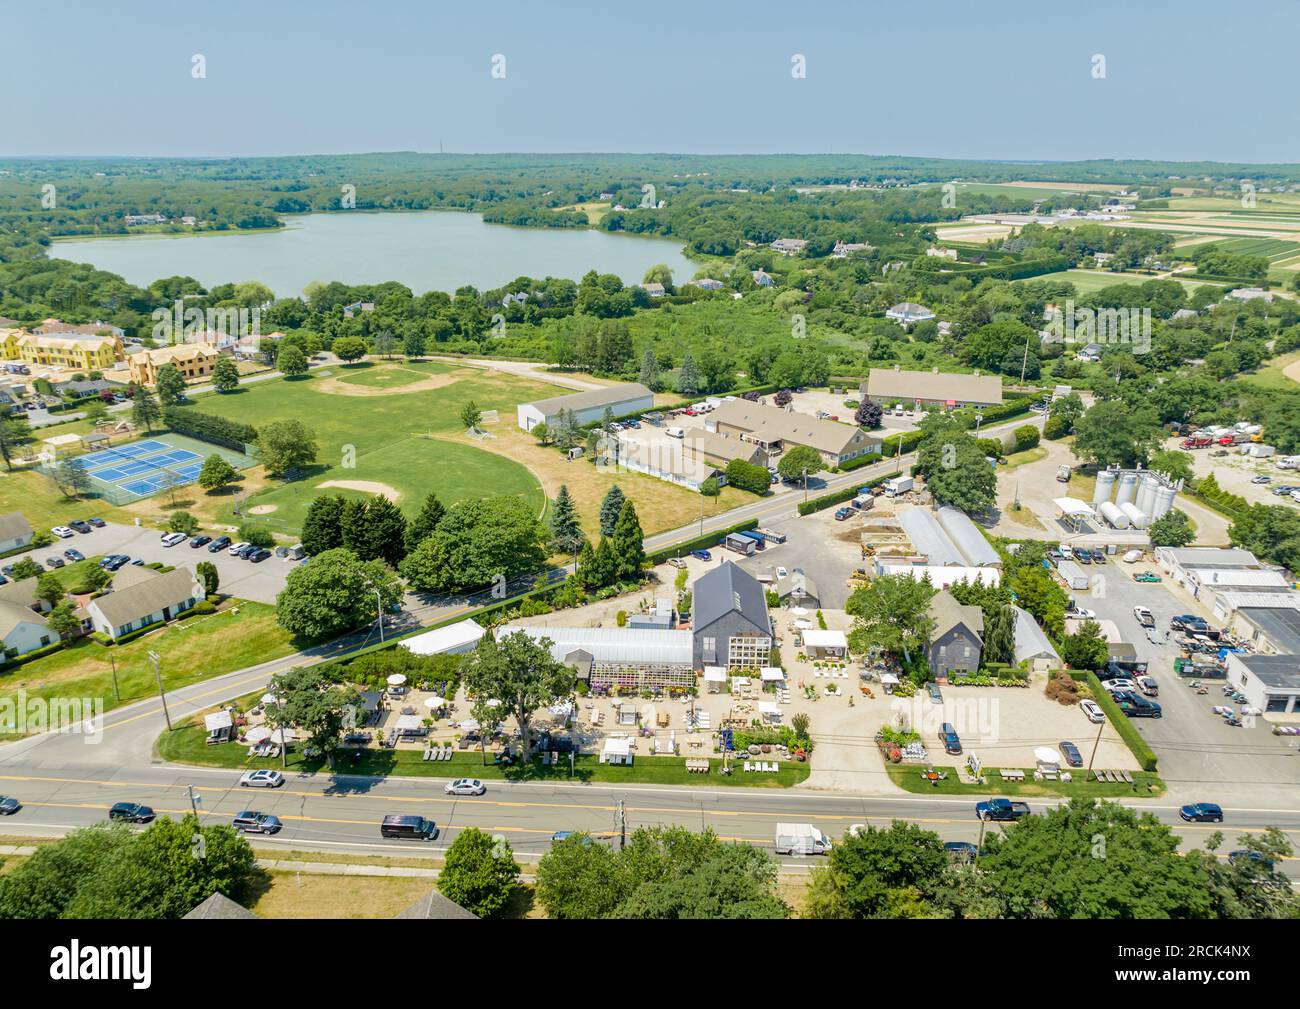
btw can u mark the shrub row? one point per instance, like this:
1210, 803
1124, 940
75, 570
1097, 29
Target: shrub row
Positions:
209, 427
1145, 756
1231, 505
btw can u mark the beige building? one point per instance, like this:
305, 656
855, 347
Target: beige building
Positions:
893, 385
720, 450
195, 361
774, 429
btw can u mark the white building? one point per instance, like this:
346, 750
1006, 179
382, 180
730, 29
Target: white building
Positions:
942, 576
454, 639
1270, 682
151, 598
588, 406
15, 532
907, 313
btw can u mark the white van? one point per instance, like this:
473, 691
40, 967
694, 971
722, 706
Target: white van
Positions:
674, 432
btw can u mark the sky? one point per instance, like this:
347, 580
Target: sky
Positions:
1184, 80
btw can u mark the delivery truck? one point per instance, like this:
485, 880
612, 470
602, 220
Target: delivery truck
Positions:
898, 485
801, 839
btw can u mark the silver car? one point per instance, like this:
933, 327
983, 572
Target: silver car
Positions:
261, 779
465, 786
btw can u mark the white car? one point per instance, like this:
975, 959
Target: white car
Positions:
1116, 685
261, 779
171, 539
1067, 552
235, 548
781, 572
1093, 711
62, 532
465, 786
1083, 612
1132, 556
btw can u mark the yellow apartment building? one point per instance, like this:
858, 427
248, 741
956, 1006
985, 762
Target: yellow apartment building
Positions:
195, 360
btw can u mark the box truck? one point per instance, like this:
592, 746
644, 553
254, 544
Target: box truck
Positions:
898, 485
1073, 575
801, 839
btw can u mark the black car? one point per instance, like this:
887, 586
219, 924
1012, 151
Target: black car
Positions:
247, 552
1188, 622
9, 806
1135, 706
259, 555
199, 541
1071, 754
131, 812
114, 561
97, 523
220, 543
79, 525
951, 741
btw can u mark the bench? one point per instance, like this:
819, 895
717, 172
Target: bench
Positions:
1010, 775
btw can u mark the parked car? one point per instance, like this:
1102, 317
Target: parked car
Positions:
951, 741
54, 562
171, 539
252, 822
1136, 706
1092, 710
1119, 684
1202, 812
235, 548
781, 572
1071, 753
98, 523
259, 554
80, 526
702, 555
1188, 622
936, 695
247, 551
1144, 616
962, 851
843, 513
1132, 556
73, 554
131, 812
218, 544
9, 805
261, 779
63, 532
199, 541
1261, 479
1148, 686
1146, 576
676, 562
465, 786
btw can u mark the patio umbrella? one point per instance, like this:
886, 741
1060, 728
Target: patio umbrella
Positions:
396, 680
494, 703
258, 735
434, 702
1046, 755
270, 699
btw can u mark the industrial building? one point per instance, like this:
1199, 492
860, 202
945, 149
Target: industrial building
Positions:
773, 429
933, 388
941, 576
1271, 630
588, 406
1218, 575
1271, 683
947, 537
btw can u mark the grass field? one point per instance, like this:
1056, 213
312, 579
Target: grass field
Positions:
1273, 374
1087, 281
1145, 785
44, 505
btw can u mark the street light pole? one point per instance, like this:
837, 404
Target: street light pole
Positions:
162, 695
194, 801
379, 608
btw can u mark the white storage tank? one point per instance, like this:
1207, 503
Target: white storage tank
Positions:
1113, 514
1135, 514
1146, 494
1164, 502
1127, 487
1105, 484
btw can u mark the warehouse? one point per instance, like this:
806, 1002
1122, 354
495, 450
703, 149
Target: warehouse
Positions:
931, 388
941, 576
1271, 683
587, 407
1270, 630
929, 538
967, 537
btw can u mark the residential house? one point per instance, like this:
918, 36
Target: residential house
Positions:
22, 628
941, 253
957, 638
352, 310
789, 246
193, 360
762, 278
64, 348
150, 599
773, 429
15, 532
731, 624
908, 313
843, 250
708, 283
1032, 644
655, 290
136, 219
797, 589
1249, 294
720, 450
933, 388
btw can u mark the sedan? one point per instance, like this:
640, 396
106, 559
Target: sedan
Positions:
781, 572
1083, 613
200, 541
1202, 812
936, 695
171, 539
74, 554
54, 562
1261, 479
131, 812
218, 544
97, 523
80, 526
465, 786
235, 548
63, 532
1071, 753
261, 779
1093, 711
9, 806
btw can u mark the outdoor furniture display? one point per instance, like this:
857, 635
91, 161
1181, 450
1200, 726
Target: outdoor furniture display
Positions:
1012, 775
697, 766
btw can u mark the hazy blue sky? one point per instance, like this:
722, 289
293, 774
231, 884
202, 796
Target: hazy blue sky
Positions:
1185, 80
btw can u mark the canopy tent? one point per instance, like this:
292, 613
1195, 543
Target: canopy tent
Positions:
770, 711
408, 723
217, 721
453, 639
616, 750
397, 679
715, 679
1046, 755
469, 725
771, 674
561, 710
269, 698
798, 611
826, 642
803, 625
259, 734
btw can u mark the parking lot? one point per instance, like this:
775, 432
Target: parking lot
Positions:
1192, 743
243, 579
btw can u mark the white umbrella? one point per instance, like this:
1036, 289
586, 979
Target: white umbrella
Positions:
258, 735
799, 611
494, 703
270, 699
469, 725
434, 702
396, 680
1046, 755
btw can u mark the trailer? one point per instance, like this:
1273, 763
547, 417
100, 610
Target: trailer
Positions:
771, 535
739, 544
1073, 575
863, 502
758, 539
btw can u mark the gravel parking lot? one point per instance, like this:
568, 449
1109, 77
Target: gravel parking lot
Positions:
244, 579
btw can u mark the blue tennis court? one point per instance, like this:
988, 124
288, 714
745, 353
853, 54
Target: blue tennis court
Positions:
144, 467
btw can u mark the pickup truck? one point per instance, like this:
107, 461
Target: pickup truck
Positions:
1001, 809
1144, 616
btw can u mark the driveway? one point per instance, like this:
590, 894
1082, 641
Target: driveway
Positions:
244, 579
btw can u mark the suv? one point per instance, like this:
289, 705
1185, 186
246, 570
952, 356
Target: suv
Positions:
951, 741
218, 544
171, 539
251, 822
235, 548
79, 525
843, 513
409, 828
702, 555
131, 812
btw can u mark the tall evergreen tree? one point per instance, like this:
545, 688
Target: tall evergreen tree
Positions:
352, 523
425, 523
629, 542
688, 379
144, 409
566, 532
649, 376
385, 531
609, 509
322, 528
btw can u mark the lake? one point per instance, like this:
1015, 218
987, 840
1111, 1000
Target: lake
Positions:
425, 250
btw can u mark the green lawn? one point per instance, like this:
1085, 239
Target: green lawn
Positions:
384, 431
1145, 785
1272, 376
187, 745
1027, 456
44, 505
240, 634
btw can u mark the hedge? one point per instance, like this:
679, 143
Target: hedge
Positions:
1146, 757
209, 427
840, 496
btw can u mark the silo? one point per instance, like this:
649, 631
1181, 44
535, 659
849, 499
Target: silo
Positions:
1127, 487
1164, 502
1105, 484
1146, 493
1135, 514
1114, 515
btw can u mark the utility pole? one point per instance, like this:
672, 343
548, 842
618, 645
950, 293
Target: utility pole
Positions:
1024, 363
1095, 743
622, 825
379, 608
195, 801
162, 695
116, 693
805, 485
979, 845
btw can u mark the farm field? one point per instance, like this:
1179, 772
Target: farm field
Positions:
1087, 281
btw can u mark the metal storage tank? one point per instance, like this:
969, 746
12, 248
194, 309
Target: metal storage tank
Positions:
928, 537
1146, 493
1164, 502
1105, 484
1128, 481
978, 552
1135, 514
1113, 514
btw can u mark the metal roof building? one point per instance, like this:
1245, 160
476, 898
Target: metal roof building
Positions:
977, 550
612, 644
929, 538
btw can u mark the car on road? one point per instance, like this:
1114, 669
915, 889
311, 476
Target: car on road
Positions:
1202, 812
79, 525
410, 828
702, 555
131, 812
1188, 622
261, 779
54, 562
1244, 856
1144, 616
564, 835
1071, 753
936, 695
951, 741
63, 532
9, 805
199, 541
1146, 576
465, 786
98, 523
1092, 710
252, 822
171, 539
1001, 809
73, 554
235, 548
218, 544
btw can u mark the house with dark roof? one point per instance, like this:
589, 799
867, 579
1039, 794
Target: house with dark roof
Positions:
957, 638
148, 600
219, 907
434, 905
731, 624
